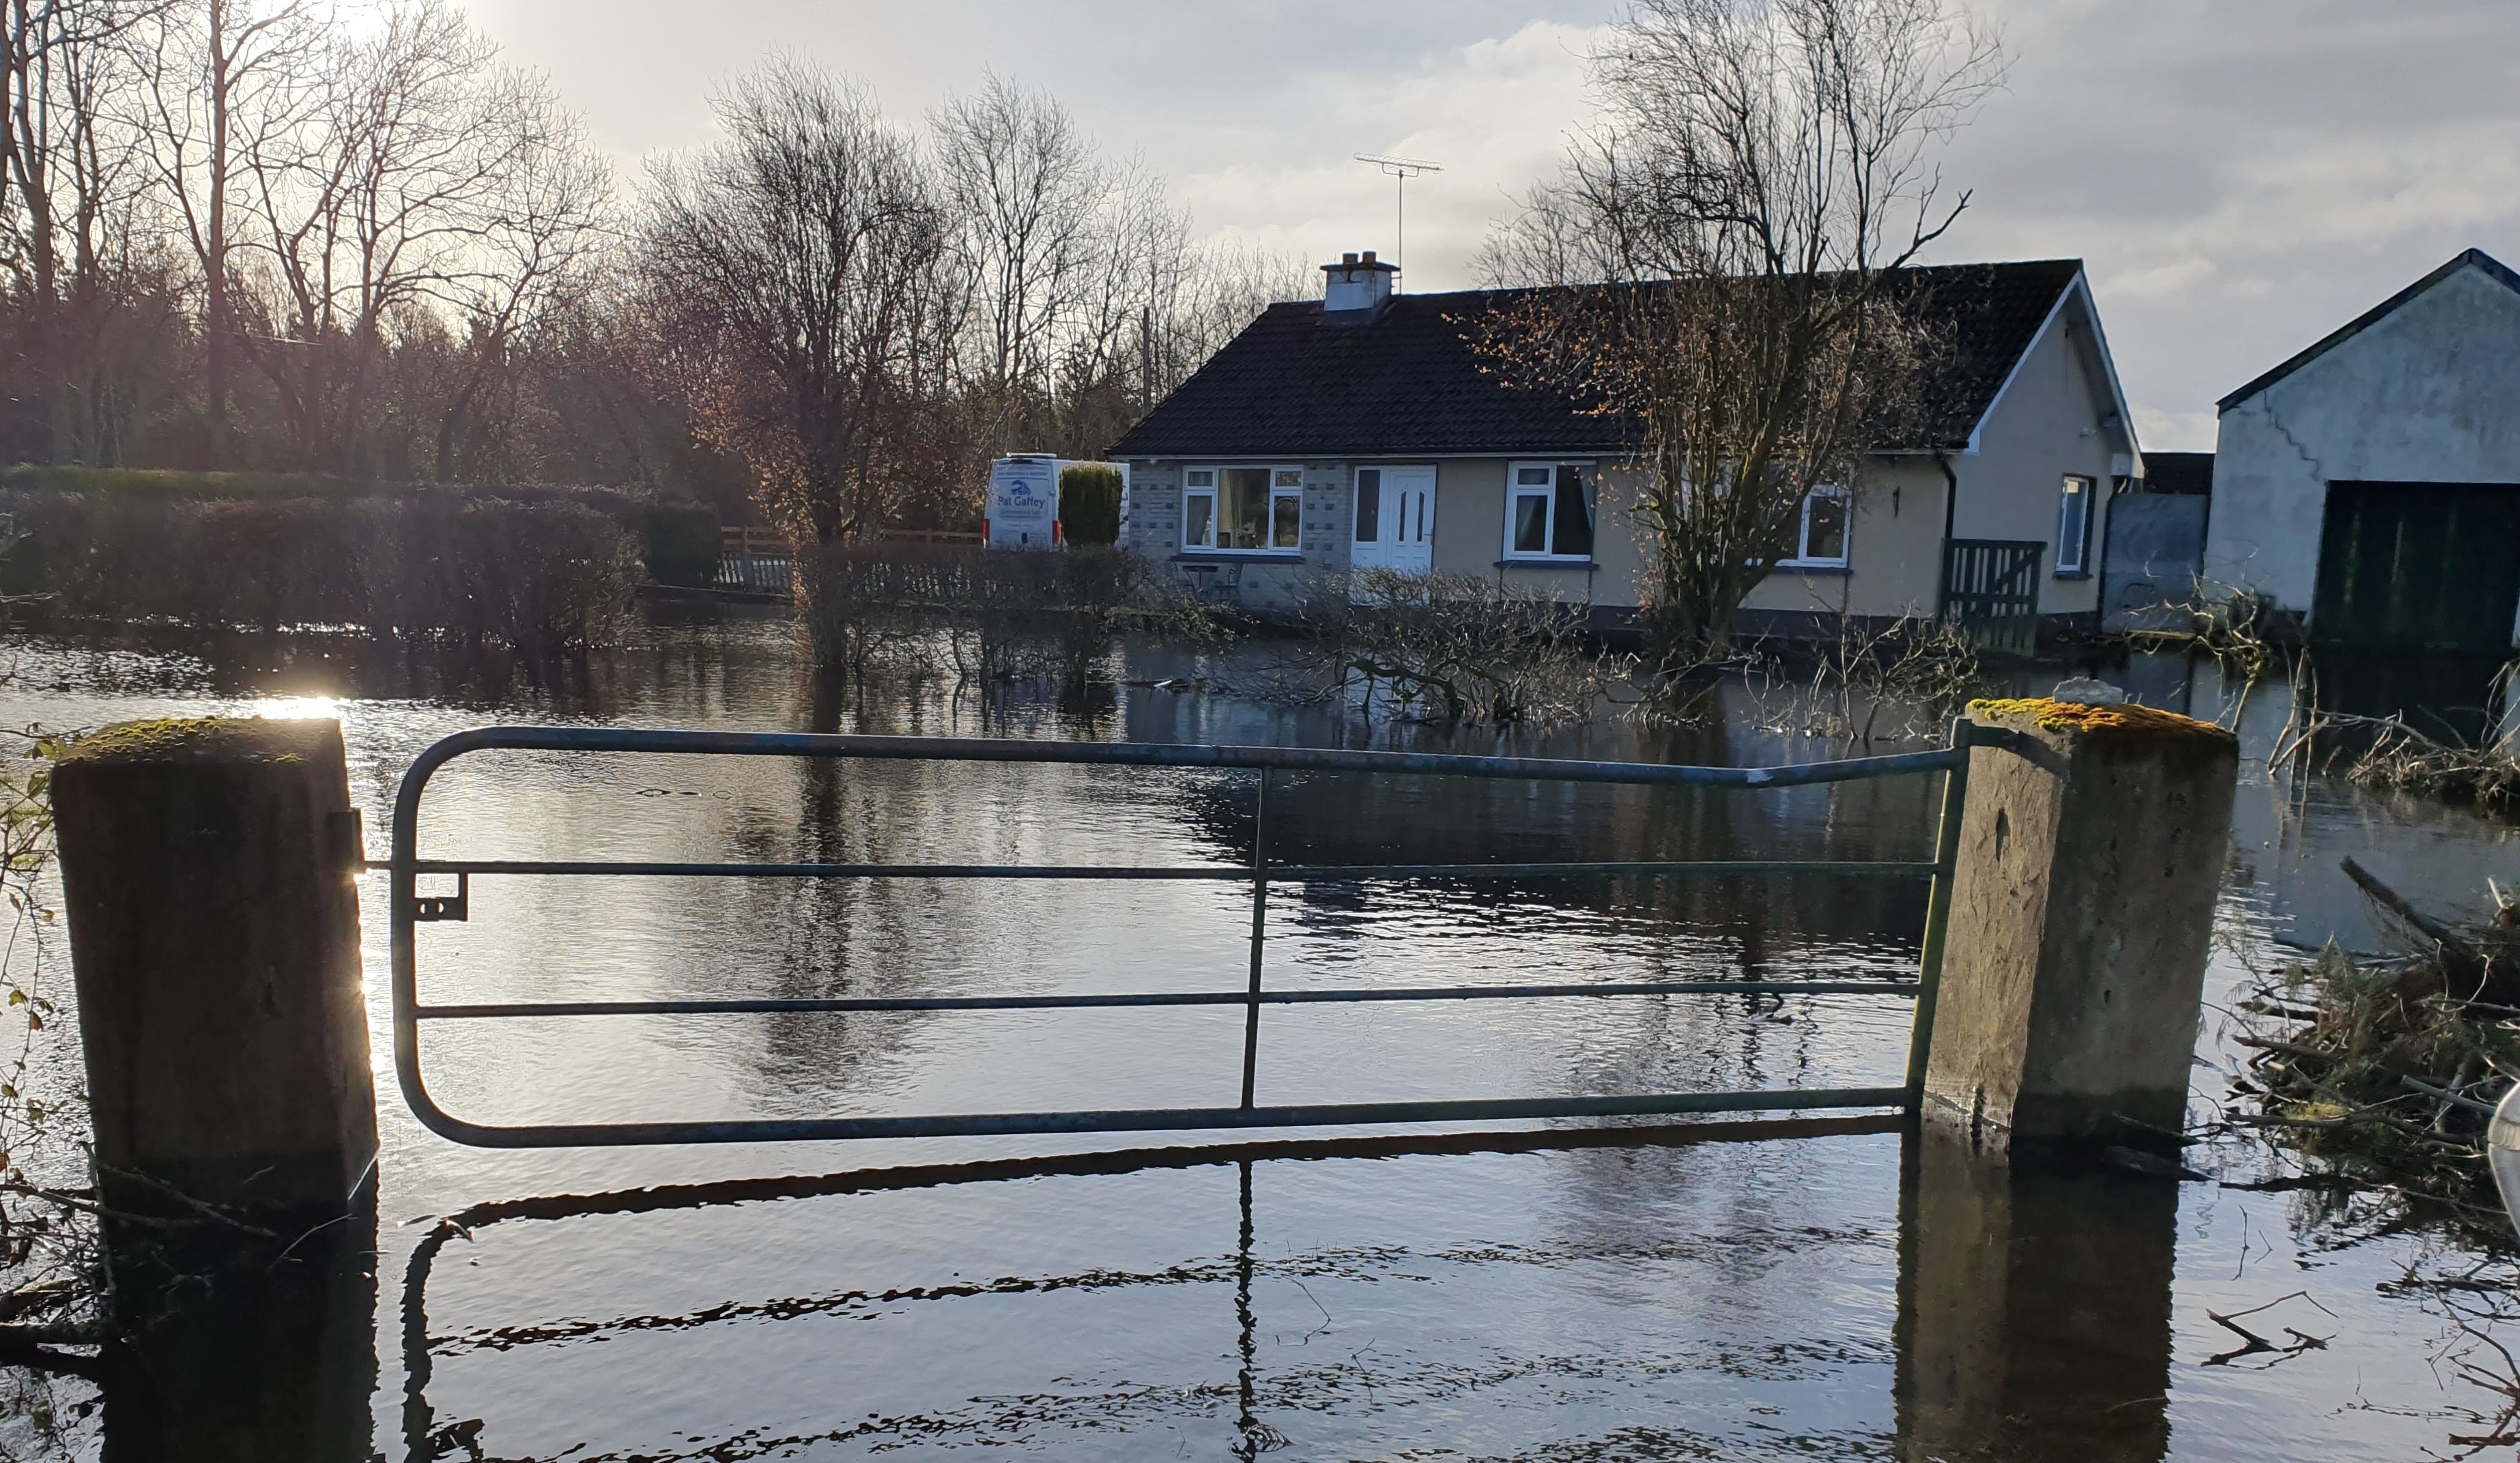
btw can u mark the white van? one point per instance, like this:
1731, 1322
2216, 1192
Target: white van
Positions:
1023, 501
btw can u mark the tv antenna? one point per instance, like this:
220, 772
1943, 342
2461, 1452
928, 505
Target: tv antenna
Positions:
1401, 170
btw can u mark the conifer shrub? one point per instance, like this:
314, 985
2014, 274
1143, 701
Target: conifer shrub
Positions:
680, 542
1088, 505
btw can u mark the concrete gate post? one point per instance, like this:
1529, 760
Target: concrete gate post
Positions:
2090, 849
208, 870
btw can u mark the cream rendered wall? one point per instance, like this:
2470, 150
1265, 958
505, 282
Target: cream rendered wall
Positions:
2051, 420
1621, 543
1894, 551
1469, 525
1471, 532
1470, 515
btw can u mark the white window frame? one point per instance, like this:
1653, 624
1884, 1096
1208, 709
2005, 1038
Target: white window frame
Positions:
1284, 482
2082, 543
1515, 488
1802, 556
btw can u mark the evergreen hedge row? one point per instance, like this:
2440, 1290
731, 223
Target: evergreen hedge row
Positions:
538, 576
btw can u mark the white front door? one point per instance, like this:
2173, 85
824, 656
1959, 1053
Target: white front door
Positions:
1395, 519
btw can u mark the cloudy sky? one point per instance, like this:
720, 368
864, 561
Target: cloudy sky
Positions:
2242, 175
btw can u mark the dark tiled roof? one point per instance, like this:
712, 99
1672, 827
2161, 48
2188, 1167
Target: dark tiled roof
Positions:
2190, 473
2493, 268
1408, 381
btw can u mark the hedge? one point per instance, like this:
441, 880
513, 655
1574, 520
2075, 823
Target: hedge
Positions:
26, 477
539, 576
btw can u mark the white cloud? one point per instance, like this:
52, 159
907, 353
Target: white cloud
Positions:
2247, 175
2242, 175
1493, 112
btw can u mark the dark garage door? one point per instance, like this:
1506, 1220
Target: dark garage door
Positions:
2417, 585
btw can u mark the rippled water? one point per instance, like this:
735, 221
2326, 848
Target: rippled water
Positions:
1846, 1294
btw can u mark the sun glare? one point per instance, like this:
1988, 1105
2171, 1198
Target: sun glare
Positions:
297, 707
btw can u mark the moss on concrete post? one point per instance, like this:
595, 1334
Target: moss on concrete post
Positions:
208, 869
2082, 908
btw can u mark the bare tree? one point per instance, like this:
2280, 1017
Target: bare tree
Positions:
1112, 366
804, 270
538, 253
1762, 171
1025, 189
1230, 282
226, 80
67, 189
425, 183
1090, 300
345, 236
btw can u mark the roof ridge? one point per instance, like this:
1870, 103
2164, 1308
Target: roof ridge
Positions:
2493, 269
1910, 270
1408, 380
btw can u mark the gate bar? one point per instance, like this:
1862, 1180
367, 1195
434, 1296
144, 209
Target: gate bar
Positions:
1143, 1120
409, 908
1136, 754
1281, 873
1259, 933
1159, 999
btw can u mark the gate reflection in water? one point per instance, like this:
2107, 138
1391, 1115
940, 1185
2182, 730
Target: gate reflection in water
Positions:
2033, 1302
411, 908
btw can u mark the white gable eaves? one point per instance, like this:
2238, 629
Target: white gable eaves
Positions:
2477, 259
2078, 291
2013, 374
2108, 366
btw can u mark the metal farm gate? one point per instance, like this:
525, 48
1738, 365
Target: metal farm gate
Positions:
411, 910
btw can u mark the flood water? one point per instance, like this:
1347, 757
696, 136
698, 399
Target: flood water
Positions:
1845, 1293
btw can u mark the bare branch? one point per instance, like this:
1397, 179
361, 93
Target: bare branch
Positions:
1760, 174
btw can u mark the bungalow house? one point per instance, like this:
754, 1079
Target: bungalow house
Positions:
1360, 430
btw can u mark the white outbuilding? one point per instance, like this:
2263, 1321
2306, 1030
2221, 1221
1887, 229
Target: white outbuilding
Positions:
2369, 487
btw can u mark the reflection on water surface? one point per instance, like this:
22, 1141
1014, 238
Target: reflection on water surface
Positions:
1848, 1295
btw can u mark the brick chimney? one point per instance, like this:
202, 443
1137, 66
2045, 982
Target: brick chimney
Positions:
1357, 282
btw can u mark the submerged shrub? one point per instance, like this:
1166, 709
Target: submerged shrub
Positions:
545, 576
1446, 647
985, 616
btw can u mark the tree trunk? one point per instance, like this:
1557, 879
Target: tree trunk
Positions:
215, 325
